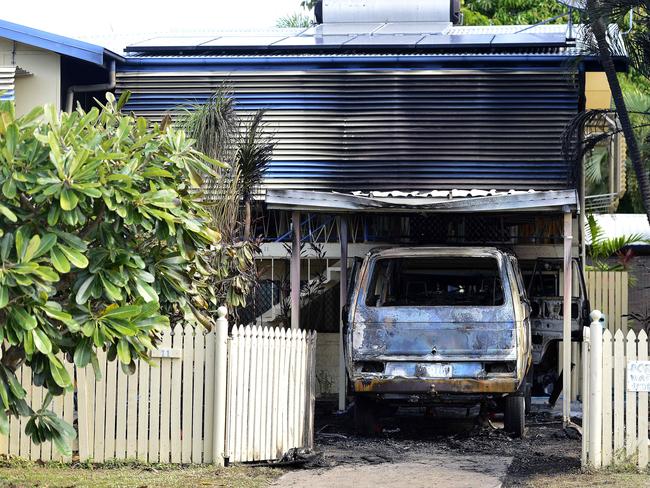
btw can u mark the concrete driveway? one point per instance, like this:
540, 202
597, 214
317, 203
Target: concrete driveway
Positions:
436, 469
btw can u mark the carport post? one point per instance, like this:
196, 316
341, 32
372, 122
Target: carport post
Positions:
295, 270
343, 296
566, 315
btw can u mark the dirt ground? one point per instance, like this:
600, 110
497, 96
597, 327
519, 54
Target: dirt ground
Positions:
416, 451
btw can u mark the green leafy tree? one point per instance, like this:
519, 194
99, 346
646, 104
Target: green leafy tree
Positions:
102, 240
510, 12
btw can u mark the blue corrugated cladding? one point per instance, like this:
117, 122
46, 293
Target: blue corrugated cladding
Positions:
398, 124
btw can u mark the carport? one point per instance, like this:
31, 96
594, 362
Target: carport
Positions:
454, 202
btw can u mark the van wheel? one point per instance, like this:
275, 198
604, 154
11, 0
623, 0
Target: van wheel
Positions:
365, 416
514, 418
528, 389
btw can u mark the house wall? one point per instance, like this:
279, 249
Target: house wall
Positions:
44, 85
327, 364
597, 93
348, 125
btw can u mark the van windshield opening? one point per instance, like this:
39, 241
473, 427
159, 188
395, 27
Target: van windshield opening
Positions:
435, 281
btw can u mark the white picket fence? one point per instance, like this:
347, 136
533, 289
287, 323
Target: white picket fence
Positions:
608, 292
615, 419
271, 392
166, 413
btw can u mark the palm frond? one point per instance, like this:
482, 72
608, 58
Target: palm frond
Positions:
594, 230
594, 165
602, 248
213, 124
253, 155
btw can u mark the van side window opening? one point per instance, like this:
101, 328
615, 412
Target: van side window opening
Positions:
435, 281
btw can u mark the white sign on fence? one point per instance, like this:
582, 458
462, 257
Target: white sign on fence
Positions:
638, 376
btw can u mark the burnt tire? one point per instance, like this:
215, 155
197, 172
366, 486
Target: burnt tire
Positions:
366, 419
514, 418
528, 389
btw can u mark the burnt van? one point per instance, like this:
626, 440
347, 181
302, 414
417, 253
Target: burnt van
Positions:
439, 325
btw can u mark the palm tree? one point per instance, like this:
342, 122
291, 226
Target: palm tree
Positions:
602, 248
253, 155
214, 127
599, 15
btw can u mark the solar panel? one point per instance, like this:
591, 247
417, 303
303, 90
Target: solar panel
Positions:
385, 40
529, 39
418, 35
463, 41
342, 29
413, 28
173, 42
261, 42
312, 41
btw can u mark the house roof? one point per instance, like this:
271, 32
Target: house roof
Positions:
66, 46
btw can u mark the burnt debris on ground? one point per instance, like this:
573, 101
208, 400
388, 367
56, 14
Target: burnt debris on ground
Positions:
545, 448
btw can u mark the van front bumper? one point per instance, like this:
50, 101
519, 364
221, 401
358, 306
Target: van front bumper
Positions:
438, 385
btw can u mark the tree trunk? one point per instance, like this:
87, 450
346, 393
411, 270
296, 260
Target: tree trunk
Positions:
599, 28
247, 219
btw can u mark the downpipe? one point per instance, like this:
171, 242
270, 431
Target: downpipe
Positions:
69, 102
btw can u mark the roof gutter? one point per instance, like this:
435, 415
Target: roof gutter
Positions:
69, 103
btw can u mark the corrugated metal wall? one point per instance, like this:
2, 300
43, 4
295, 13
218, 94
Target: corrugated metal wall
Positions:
379, 129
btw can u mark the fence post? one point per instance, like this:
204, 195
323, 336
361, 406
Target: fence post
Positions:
586, 456
220, 379
595, 388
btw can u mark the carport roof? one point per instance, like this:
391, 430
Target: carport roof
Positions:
453, 201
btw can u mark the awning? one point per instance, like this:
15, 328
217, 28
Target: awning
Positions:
455, 201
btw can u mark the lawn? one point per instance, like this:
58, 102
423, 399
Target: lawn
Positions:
20, 473
583, 480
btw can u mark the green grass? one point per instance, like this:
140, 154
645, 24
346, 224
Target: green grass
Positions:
21, 473
583, 480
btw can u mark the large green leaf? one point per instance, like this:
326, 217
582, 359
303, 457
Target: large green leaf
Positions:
146, 291
74, 256
32, 246
83, 294
83, 353
59, 261
68, 199
8, 213
4, 296
123, 351
59, 373
41, 341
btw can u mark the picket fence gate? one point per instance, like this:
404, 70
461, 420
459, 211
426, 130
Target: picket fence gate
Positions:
615, 419
169, 412
271, 394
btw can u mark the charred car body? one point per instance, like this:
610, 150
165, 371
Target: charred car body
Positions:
543, 279
427, 325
